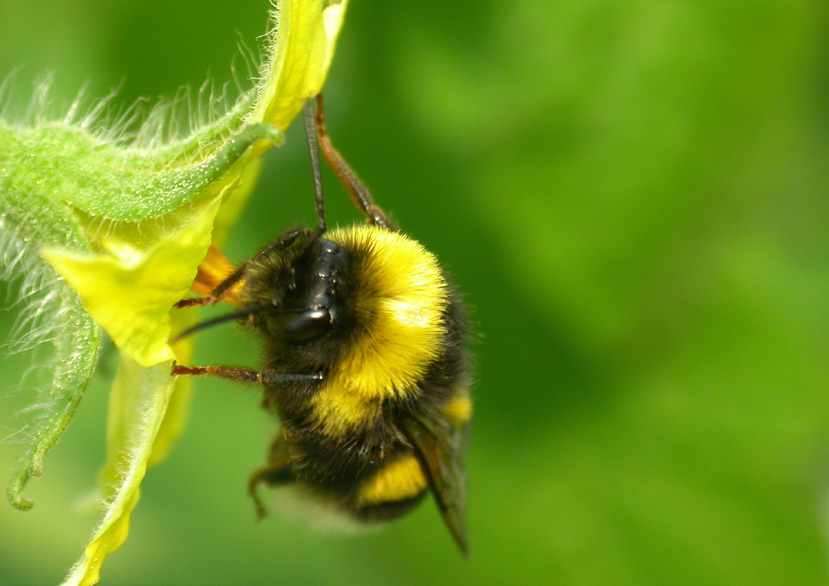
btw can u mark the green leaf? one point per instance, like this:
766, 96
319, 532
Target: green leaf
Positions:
29, 221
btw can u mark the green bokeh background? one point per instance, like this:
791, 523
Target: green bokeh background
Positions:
634, 198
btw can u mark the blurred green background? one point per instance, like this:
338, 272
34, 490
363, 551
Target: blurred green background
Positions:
633, 198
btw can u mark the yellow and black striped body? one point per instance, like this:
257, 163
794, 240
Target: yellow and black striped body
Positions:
370, 310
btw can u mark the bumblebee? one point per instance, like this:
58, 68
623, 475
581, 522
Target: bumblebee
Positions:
365, 365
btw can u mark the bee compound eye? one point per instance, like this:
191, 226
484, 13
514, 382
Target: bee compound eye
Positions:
299, 326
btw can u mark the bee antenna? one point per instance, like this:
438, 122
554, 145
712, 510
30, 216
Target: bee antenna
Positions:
313, 149
223, 318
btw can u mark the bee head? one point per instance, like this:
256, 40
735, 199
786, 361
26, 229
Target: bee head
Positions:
294, 290
301, 290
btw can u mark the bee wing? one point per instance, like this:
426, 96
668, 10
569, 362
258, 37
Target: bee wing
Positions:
440, 446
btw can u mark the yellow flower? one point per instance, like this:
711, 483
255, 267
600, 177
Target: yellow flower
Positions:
133, 227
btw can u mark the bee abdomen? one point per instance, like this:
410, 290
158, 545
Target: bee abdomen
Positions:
390, 491
381, 492
398, 479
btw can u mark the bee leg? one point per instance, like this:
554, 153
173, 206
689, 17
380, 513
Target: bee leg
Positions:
273, 474
358, 191
277, 471
218, 281
269, 378
215, 280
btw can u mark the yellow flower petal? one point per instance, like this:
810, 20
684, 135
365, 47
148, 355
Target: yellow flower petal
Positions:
175, 417
306, 35
235, 203
138, 402
332, 17
130, 293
